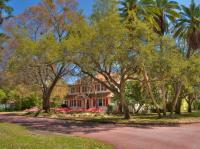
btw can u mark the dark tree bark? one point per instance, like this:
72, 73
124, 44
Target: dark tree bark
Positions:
120, 108
178, 106
46, 103
189, 107
123, 99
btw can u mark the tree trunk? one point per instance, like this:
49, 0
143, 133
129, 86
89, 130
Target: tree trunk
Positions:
138, 109
47, 94
189, 102
150, 92
133, 108
189, 107
188, 52
164, 108
124, 103
174, 102
178, 107
120, 108
46, 102
164, 101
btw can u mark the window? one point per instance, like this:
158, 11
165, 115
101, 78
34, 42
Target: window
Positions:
100, 102
78, 89
103, 88
74, 103
98, 87
84, 89
71, 103
79, 103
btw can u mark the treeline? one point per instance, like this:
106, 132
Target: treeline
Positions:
12, 100
144, 49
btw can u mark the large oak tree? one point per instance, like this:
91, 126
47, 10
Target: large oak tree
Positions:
36, 37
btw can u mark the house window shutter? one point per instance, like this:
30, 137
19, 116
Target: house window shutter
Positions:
94, 102
106, 101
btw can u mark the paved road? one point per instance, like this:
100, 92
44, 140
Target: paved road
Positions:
140, 137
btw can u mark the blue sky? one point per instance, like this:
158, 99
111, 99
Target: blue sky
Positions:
86, 5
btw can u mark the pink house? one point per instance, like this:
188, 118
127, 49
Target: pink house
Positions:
87, 93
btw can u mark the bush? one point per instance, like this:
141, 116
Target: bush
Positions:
3, 98
196, 104
56, 102
31, 101
27, 102
110, 109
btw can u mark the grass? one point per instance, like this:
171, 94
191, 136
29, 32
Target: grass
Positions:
138, 119
13, 136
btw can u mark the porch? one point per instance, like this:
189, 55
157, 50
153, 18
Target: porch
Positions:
87, 103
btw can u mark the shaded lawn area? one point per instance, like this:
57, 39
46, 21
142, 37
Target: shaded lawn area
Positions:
13, 136
152, 118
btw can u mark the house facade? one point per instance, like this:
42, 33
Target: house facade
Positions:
87, 93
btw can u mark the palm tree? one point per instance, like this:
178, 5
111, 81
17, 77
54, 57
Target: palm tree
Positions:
187, 27
157, 12
4, 9
166, 13
141, 7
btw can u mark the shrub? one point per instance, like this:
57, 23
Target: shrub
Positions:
2, 96
27, 102
56, 102
196, 104
110, 109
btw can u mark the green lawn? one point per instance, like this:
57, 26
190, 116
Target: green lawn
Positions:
17, 137
137, 119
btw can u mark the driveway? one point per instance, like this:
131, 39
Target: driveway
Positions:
138, 137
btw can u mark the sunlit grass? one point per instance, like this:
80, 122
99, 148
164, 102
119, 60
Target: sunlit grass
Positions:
17, 137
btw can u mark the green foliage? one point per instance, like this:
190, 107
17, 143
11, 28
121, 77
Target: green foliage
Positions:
110, 108
56, 102
2, 96
187, 27
135, 55
102, 8
135, 94
30, 101
196, 104
156, 12
15, 101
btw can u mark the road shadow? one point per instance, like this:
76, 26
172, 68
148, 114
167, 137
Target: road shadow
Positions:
69, 127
